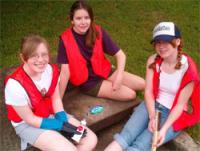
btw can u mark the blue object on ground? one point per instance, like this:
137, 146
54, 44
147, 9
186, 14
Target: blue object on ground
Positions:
96, 109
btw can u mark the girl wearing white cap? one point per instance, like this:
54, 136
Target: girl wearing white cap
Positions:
172, 81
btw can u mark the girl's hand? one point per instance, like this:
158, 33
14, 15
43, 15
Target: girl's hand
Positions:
161, 136
151, 125
117, 82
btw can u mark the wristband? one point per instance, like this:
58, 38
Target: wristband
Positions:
51, 124
61, 116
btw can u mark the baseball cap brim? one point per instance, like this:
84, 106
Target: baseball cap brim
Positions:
166, 38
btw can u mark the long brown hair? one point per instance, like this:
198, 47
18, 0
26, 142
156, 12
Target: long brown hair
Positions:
92, 33
178, 64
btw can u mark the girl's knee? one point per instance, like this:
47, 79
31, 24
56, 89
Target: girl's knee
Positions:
131, 95
58, 142
69, 148
93, 140
90, 141
113, 146
65, 146
140, 84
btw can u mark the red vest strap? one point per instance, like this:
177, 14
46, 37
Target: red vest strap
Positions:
189, 119
156, 76
191, 74
42, 105
100, 64
78, 65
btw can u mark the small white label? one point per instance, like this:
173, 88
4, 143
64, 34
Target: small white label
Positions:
77, 137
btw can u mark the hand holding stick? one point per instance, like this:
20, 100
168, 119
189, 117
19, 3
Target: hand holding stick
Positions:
155, 133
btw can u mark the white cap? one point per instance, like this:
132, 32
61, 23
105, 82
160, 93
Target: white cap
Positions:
166, 31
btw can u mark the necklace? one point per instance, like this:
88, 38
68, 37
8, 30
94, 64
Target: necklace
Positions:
43, 90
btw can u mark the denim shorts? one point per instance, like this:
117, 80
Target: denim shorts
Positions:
135, 135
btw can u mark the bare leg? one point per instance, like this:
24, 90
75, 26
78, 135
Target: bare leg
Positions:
132, 81
89, 142
122, 94
53, 141
113, 146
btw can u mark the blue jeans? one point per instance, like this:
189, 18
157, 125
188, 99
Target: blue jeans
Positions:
135, 135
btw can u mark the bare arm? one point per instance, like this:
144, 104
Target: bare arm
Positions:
64, 77
121, 61
176, 111
27, 115
56, 100
30, 118
149, 98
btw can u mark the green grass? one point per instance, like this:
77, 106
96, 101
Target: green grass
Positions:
129, 23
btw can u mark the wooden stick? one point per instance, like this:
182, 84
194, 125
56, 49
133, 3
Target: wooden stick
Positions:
155, 133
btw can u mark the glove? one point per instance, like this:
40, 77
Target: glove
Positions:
51, 124
61, 116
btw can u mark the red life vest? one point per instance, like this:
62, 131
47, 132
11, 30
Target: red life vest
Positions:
77, 63
186, 119
41, 105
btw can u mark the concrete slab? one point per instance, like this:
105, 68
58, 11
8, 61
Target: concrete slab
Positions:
182, 143
75, 103
106, 136
79, 104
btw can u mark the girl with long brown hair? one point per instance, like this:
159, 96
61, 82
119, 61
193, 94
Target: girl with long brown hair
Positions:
81, 54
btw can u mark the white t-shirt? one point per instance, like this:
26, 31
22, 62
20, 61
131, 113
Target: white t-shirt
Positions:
16, 95
169, 84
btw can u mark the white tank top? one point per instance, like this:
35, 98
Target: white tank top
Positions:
169, 84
